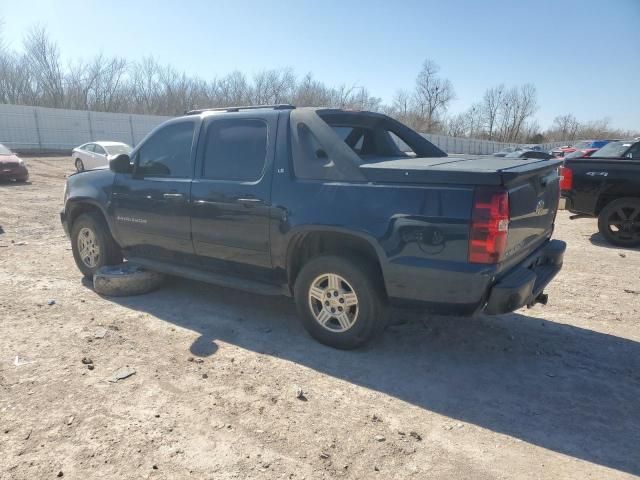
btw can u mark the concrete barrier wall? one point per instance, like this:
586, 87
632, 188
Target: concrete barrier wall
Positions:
39, 128
42, 129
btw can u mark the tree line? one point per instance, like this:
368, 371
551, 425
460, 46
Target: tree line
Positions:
36, 75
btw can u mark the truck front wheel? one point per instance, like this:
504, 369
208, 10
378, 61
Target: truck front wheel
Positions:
92, 244
341, 301
619, 222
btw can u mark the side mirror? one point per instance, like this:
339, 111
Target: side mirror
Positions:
121, 164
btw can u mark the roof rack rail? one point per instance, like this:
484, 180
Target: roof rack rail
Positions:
279, 106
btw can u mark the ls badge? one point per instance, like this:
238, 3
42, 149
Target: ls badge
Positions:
540, 207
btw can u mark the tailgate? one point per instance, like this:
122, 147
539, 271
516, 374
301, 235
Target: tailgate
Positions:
534, 192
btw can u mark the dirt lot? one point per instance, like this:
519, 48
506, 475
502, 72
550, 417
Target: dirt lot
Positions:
547, 393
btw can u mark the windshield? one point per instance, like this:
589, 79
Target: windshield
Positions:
613, 150
118, 149
4, 150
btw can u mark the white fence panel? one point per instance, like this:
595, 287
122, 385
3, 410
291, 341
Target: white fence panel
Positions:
18, 126
59, 129
38, 128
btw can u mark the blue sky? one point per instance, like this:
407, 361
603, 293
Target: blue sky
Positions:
582, 55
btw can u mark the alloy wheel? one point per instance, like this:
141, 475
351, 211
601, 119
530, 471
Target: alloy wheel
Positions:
333, 302
624, 223
88, 247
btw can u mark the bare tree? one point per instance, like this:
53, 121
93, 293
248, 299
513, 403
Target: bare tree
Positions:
491, 104
516, 107
568, 128
144, 85
310, 92
107, 77
402, 107
456, 126
474, 122
16, 86
432, 96
77, 85
565, 127
234, 89
273, 86
43, 61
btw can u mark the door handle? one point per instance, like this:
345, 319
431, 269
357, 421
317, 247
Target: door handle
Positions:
249, 200
173, 195
597, 174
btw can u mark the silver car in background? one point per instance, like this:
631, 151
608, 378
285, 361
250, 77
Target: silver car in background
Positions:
97, 154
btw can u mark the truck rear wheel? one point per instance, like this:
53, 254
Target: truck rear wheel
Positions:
619, 222
92, 244
341, 301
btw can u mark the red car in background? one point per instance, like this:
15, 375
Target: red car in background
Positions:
582, 153
583, 146
12, 167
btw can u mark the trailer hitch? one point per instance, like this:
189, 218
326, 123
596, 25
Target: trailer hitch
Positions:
542, 298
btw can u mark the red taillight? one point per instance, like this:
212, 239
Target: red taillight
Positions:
489, 225
566, 178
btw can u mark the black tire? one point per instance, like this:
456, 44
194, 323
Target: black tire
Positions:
109, 252
79, 165
360, 276
125, 280
619, 222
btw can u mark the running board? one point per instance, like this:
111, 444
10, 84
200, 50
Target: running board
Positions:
246, 285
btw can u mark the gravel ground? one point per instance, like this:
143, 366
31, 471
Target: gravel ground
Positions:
547, 393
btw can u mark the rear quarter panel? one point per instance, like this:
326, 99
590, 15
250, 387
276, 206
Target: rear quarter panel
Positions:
419, 232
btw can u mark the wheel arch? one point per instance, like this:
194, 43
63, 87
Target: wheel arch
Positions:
614, 192
77, 206
311, 242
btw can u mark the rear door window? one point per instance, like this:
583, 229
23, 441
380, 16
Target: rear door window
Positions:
235, 149
98, 149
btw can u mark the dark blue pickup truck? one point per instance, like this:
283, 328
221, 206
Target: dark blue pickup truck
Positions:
348, 212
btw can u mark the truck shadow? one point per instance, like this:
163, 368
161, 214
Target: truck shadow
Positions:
560, 387
598, 240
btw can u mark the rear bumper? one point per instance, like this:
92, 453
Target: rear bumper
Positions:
14, 173
523, 285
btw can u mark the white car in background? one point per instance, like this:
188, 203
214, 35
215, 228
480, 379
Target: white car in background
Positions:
97, 154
